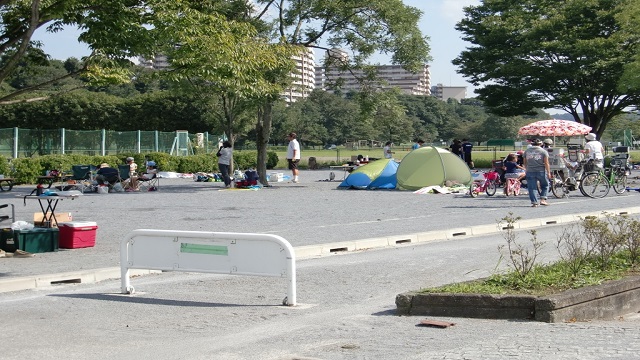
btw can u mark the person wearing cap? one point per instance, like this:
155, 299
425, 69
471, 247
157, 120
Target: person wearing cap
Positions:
150, 172
594, 149
536, 163
106, 174
293, 155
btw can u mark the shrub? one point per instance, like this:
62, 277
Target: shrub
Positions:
27, 170
5, 169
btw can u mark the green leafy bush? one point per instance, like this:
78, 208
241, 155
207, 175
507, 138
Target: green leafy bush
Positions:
27, 170
5, 169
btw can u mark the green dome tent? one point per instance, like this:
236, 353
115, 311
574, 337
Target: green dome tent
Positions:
430, 166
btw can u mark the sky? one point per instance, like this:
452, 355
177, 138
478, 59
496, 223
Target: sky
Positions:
437, 22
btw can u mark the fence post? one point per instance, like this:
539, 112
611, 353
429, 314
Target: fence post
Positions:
103, 143
63, 138
157, 139
139, 146
15, 142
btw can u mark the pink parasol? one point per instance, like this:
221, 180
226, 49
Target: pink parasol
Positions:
555, 128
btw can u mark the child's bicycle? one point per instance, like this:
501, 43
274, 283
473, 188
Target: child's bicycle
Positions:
489, 184
512, 185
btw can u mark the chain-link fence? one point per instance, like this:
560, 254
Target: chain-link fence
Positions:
16, 142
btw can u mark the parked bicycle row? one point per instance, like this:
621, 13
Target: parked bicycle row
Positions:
580, 168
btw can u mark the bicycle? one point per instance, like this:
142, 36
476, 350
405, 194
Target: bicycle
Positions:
594, 183
582, 176
617, 173
488, 184
512, 185
567, 179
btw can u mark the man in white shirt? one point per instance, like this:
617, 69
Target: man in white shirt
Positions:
388, 154
293, 155
594, 149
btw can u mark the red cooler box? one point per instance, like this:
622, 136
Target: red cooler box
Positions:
77, 234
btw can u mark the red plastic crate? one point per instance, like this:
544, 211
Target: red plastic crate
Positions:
77, 234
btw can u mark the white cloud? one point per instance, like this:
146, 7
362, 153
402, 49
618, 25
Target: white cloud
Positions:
452, 9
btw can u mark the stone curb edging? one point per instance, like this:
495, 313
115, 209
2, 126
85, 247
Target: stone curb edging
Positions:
605, 301
311, 251
76, 277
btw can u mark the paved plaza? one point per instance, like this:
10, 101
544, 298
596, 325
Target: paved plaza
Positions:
345, 300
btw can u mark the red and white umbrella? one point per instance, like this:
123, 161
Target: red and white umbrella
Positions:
555, 128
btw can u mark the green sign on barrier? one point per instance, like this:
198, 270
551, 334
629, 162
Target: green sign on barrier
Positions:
204, 249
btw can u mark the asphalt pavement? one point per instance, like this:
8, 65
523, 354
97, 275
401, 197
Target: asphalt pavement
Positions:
345, 299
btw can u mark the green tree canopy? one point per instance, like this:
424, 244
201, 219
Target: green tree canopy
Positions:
569, 55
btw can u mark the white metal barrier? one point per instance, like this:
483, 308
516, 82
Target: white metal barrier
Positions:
210, 252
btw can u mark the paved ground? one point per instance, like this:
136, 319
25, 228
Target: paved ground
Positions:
309, 213
346, 302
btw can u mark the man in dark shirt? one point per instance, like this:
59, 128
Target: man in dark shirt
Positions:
467, 146
456, 148
106, 174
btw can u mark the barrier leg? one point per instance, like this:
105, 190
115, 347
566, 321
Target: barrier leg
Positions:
125, 283
290, 300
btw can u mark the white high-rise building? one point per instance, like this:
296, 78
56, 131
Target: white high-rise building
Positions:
159, 62
390, 76
304, 77
444, 93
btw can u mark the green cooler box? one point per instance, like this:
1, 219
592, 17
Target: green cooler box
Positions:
36, 240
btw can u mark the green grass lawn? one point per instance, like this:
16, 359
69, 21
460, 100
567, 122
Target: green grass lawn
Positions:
482, 158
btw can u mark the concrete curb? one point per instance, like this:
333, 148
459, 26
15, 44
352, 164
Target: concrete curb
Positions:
311, 251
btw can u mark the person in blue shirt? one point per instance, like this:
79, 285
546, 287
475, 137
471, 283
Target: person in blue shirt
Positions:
511, 167
418, 144
467, 146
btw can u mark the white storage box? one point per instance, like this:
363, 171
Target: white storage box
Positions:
276, 177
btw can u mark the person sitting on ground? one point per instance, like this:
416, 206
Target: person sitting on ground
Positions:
106, 175
512, 169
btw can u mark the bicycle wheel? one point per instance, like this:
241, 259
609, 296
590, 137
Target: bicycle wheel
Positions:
594, 185
619, 181
516, 188
558, 187
473, 190
491, 188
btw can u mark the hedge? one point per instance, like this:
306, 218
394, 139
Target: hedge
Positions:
27, 170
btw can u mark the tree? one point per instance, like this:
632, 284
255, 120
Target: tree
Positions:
568, 55
629, 19
362, 26
116, 30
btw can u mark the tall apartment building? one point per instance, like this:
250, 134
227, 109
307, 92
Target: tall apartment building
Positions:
390, 76
159, 62
304, 77
444, 93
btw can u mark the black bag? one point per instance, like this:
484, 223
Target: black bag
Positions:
590, 166
218, 154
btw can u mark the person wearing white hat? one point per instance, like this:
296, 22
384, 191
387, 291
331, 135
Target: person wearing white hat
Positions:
594, 149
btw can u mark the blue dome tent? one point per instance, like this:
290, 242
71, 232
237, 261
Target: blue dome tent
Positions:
379, 174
